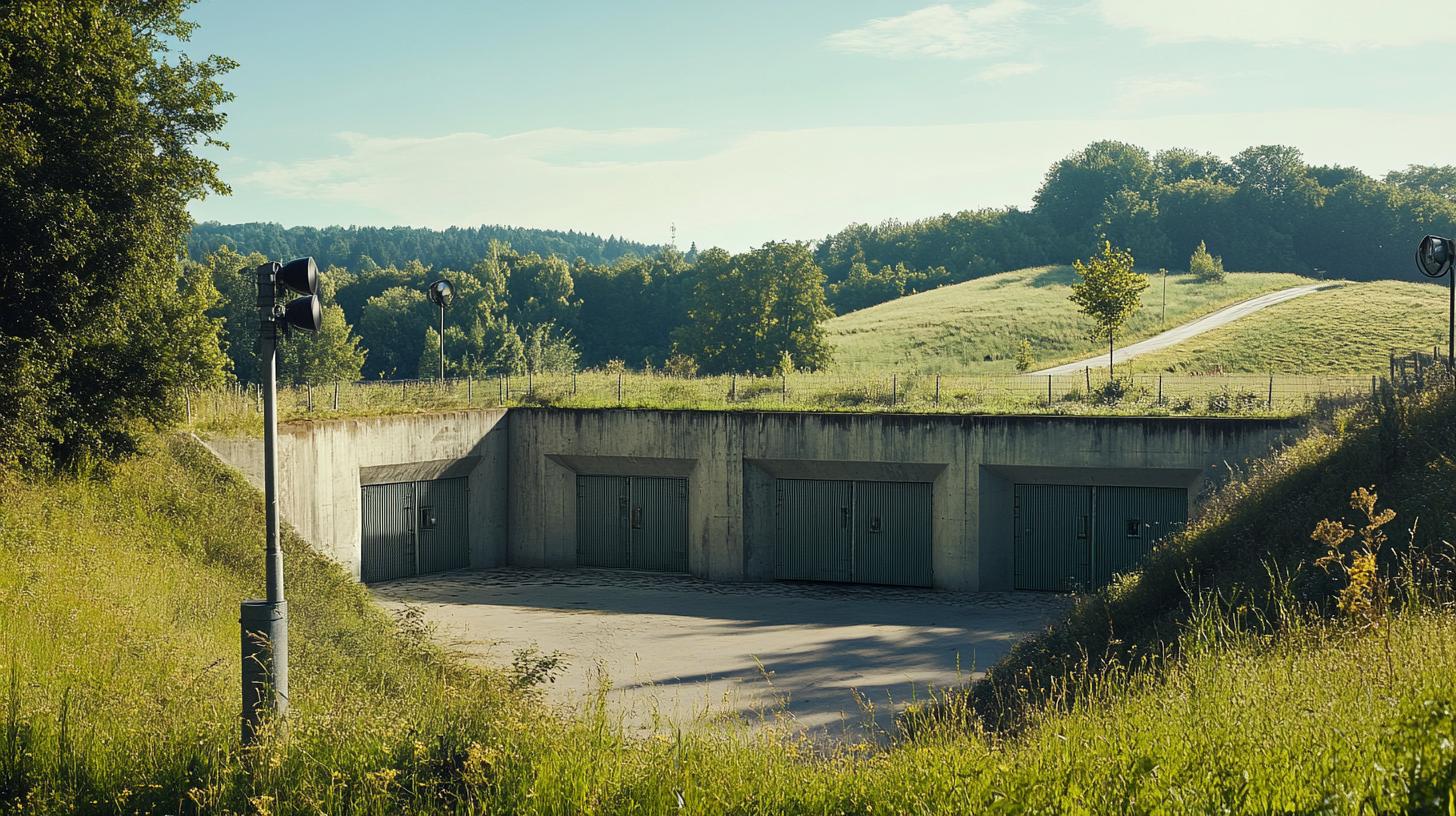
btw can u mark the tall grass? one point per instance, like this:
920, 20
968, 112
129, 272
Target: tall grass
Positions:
233, 411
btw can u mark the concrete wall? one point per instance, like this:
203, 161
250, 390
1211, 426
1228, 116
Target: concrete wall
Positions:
523, 470
732, 458
322, 465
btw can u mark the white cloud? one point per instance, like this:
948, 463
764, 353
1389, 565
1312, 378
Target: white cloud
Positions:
770, 184
1135, 94
937, 31
1340, 24
1007, 70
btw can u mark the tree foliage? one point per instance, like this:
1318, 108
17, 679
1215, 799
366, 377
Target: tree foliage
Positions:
1108, 291
100, 122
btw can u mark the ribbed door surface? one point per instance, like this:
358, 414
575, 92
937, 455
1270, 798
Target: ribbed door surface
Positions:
812, 530
892, 533
657, 524
441, 518
601, 521
1130, 520
1052, 542
387, 532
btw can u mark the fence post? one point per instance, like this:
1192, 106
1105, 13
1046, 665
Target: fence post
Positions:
500, 390
469, 388
336, 395
573, 382
308, 391
894, 389
1160, 389
530, 383
1271, 392
1372, 388
1087, 374
1049, 390
783, 387
733, 387
937, 390
619, 389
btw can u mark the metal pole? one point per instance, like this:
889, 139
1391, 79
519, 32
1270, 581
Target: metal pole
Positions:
1049, 390
1451, 326
442, 344
265, 623
894, 388
937, 390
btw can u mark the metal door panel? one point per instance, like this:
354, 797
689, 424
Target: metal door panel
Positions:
657, 524
601, 521
892, 533
1052, 540
813, 532
1130, 520
386, 532
441, 519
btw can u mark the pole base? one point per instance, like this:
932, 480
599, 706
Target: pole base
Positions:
265, 663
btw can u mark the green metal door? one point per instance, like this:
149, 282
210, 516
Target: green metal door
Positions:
657, 524
1052, 540
892, 533
814, 540
601, 521
1130, 520
386, 532
440, 518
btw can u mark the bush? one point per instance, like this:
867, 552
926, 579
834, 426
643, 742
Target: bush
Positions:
680, 365
1025, 358
1205, 267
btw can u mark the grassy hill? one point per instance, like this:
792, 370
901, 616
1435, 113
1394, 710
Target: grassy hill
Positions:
118, 644
1350, 329
956, 328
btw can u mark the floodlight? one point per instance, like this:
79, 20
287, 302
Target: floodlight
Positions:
1435, 255
441, 293
300, 275
303, 313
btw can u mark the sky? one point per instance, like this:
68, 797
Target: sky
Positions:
742, 122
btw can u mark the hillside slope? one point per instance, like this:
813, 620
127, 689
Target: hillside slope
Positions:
1352, 329
955, 329
1251, 548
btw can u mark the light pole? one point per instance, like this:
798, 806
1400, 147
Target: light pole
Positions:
1435, 257
441, 293
265, 622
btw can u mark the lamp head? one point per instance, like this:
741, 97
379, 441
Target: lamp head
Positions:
441, 293
299, 275
1435, 256
303, 313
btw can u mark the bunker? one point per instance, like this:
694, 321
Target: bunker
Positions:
966, 503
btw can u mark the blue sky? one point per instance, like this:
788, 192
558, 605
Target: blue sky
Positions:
748, 121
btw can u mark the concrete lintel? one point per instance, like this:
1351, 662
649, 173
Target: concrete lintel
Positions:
847, 470
1121, 477
417, 471
625, 465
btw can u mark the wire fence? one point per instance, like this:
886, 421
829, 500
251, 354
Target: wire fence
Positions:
1090, 392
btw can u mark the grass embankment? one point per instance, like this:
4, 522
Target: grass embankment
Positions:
118, 602
955, 328
1251, 546
1350, 329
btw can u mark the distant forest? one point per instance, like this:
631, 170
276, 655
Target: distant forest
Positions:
453, 248
537, 299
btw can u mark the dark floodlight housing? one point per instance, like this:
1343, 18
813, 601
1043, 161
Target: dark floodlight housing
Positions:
441, 293
1435, 256
303, 314
300, 275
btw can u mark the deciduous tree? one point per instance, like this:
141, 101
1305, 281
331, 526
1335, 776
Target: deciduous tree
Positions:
1109, 292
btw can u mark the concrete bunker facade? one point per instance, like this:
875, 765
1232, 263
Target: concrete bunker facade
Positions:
966, 503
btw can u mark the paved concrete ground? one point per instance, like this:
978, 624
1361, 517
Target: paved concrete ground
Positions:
684, 649
1178, 334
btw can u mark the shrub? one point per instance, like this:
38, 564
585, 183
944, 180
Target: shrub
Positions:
1205, 267
1025, 358
680, 365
